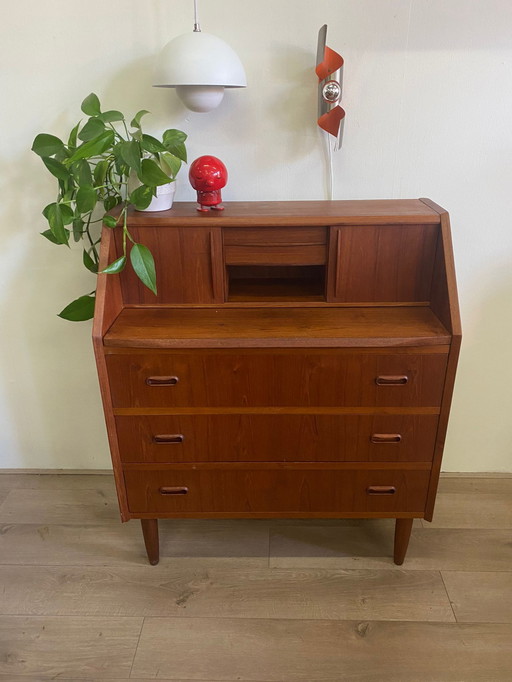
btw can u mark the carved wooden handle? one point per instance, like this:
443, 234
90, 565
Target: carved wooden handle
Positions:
162, 381
169, 438
392, 380
381, 490
173, 490
386, 437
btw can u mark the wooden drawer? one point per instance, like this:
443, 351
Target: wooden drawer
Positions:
275, 246
276, 437
279, 490
246, 379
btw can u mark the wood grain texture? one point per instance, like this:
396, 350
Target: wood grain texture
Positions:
238, 544
251, 593
472, 510
58, 481
292, 214
34, 646
235, 379
310, 650
480, 597
184, 267
59, 506
377, 263
275, 327
368, 545
280, 491
275, 437
107, 306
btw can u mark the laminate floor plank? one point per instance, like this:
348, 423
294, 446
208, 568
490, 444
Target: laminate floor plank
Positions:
25, 505
263, 593
338, 651
3, 495
472, 510
477, 483
480, 597
63, 481
75, 647
233, 544
370, 546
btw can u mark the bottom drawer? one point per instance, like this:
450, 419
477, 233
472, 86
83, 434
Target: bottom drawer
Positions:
275, 490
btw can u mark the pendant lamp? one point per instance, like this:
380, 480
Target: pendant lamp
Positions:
199, 65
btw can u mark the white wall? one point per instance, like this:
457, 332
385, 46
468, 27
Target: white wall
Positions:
428, 95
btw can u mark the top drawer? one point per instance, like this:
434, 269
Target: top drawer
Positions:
275, 246
280, 379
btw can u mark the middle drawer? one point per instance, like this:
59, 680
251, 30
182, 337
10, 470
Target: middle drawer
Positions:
276, 438
266, 379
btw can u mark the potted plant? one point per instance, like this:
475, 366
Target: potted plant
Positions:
95, 170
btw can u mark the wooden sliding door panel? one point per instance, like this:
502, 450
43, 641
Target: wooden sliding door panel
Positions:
382, 263
187, 262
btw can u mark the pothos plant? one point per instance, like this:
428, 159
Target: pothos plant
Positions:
96, 169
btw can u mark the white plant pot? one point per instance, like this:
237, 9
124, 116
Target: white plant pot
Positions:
164, 198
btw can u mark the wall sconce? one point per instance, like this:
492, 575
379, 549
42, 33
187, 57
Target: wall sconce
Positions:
199, 65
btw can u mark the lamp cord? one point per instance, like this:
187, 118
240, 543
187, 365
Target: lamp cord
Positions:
330, 168
197, 27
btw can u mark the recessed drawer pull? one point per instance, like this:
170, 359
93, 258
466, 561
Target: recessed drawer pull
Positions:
169, 438
162, 381
386, 437
392, 380
173, 490
381, 490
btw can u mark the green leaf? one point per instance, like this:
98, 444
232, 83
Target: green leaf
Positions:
56, 168
151, 144
84, 173
111, 116
91, 129
100, 173
141, 197
135, 123
91, 105
86, 198
174, 142
109, 221
65, 212
51, 237
78, 228
79, 310
89, 262
72, 136
93, 147
144, 265
173, 136
151, 174
110, 202
53, 213
170, 163
47, 145
114, 267
131, 153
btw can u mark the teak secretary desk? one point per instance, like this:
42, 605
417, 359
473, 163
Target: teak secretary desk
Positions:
297, 362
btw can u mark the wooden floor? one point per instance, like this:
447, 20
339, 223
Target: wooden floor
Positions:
265, 601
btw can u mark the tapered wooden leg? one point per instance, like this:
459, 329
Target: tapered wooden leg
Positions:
403, 529
150, 533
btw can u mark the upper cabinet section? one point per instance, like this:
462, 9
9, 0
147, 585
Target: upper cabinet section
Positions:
359, 252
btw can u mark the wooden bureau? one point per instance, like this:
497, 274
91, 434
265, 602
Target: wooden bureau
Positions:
297, 362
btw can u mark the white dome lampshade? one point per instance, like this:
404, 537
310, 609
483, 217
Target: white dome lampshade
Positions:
199, 65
